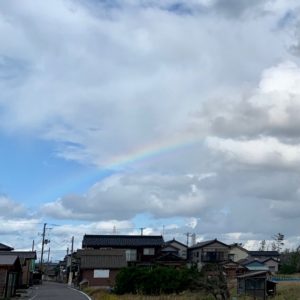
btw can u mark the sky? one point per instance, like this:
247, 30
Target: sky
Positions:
176, 116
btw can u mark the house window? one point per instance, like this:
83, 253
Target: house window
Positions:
149, 251
131, 255
101, 273
272, 268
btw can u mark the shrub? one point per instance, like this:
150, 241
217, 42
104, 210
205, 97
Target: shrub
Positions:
152, 281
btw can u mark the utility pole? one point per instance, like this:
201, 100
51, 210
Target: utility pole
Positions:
43, 242
71, 273
187, 238
142, 230
48, 255
32, 248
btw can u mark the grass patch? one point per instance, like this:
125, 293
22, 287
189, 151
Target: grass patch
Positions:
285, 291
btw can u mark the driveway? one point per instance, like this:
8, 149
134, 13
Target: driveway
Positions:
55, 291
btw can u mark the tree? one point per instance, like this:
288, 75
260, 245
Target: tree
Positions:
213, 281
278, 241
262, 245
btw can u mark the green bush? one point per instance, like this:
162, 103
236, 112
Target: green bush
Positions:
153, 280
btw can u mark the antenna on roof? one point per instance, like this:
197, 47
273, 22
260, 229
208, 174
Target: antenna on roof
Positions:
193, 239
187, 238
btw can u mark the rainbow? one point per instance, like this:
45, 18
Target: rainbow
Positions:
116, 164
148, 151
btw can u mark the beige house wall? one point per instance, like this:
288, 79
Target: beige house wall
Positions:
272, 265
238, 254
182, 249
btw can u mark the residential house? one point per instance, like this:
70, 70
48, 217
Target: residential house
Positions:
27, 259
100, 267
10, 271
272, 264
269, 258
181, 248
253, 264
233, 269
265, 255
256, 284
237, 252
139, 249
212, 251
171, 260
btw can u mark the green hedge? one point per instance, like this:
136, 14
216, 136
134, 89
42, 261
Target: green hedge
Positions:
153, 280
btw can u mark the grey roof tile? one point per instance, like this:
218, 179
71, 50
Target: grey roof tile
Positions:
90, 241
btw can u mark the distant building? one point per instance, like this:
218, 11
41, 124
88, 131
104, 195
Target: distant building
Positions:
212, 251
180, 247
10, 272
27, 260
100, 267
139, 249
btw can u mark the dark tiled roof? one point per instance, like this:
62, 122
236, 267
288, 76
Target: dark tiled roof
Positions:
175, 241
264, 253
21, 254
102, 241
169, 257
207, 243
5, 247
102, 258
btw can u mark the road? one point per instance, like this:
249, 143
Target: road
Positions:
56, 291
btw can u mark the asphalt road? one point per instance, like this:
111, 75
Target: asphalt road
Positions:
56, 291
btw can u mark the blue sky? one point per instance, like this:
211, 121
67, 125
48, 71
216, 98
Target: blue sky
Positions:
32, 166
180, 115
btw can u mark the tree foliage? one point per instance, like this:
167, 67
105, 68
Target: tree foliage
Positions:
290, 261
166, 280
278, 241
152, 281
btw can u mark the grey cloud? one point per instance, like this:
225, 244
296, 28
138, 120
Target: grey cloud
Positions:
237, 8
123, 198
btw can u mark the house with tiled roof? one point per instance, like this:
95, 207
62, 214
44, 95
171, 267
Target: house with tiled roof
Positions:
212, 251
27, 260
181, 248
265, 254
139, 249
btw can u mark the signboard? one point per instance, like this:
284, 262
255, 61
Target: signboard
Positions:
101, 273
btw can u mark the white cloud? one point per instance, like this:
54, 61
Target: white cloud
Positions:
102, 82
10, 208
126, 196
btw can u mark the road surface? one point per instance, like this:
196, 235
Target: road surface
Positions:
55, 291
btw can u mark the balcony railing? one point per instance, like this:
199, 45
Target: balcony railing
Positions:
214, 257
